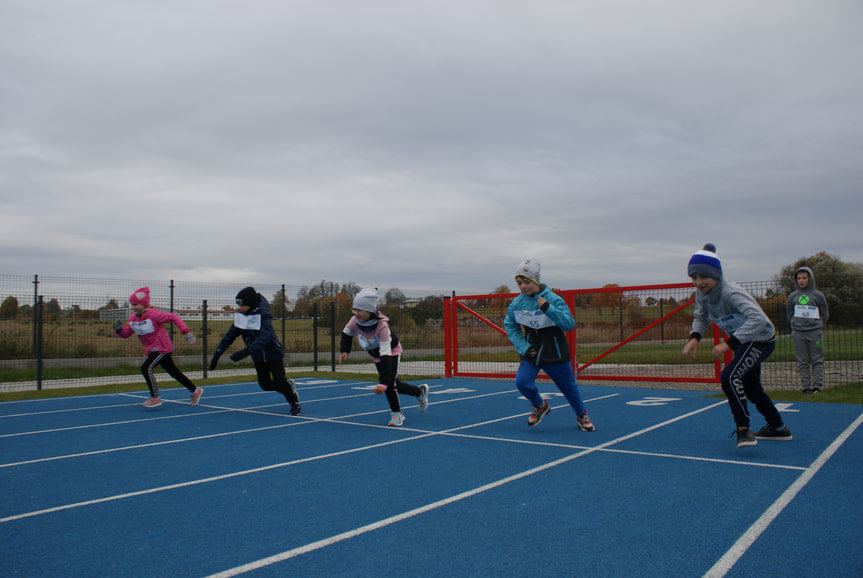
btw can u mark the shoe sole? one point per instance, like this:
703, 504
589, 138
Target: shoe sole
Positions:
775, 438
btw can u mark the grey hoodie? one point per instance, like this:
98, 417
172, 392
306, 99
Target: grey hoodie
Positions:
734, 311
806, 309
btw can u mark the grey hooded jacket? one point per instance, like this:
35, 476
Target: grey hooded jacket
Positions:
734, 311
806, 309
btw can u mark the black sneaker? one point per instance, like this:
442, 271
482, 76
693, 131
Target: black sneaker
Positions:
808, 390
296, 409
816, 390
745, 438
769, 432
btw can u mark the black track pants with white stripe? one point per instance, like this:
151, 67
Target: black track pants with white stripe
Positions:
167, 362
741, 380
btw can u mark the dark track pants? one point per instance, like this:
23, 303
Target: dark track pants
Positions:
271, 377
741, 380
167, 362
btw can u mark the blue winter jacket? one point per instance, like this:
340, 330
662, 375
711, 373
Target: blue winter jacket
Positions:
527, 325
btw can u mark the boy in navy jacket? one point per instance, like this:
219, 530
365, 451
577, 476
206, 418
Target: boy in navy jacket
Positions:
254, 323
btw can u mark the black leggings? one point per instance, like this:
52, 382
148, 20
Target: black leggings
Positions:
388, 371
166, 361
271, 377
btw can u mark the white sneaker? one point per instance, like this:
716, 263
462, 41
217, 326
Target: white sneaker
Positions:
397, 419
423, 399
196, 396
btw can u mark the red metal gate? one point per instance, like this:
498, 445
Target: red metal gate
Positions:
650, 324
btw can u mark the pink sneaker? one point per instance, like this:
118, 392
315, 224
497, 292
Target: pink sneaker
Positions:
153, 402
196, 396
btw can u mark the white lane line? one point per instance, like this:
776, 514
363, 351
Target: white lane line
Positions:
724, 564
235, 474
257, 564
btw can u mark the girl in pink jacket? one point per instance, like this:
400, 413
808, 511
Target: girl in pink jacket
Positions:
149, 325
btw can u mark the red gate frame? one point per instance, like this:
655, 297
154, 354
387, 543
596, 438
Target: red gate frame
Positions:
453, 304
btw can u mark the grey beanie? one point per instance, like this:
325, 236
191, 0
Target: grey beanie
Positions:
528, 268
367, 300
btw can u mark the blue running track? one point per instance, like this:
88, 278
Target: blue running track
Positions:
99, 486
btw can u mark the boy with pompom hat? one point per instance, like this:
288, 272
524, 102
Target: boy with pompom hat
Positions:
749, 334
148, 323
536, 322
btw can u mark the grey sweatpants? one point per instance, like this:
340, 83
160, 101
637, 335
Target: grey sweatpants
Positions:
809, 351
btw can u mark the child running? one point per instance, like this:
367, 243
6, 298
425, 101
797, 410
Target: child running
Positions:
372, 330
749, 334
535, 324
254, 323
148, 323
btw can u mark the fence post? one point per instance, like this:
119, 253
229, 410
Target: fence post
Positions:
284, 311
315, 335
333, 336
38, 350
35, 302
171, 325
204, 338
447, 335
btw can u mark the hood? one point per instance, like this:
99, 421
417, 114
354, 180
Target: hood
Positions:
811, 285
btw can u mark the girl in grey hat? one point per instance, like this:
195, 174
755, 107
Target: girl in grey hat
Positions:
372, 331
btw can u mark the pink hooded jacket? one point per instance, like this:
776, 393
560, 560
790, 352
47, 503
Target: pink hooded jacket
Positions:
150, 325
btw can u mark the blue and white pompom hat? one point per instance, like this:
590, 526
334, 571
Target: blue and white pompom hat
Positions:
529, 268
705, 263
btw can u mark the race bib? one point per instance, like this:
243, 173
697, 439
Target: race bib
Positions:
807, 312
730, 323
252, 322
534, 319
142, 327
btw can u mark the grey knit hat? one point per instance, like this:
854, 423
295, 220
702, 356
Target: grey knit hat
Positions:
367, 300
528, 268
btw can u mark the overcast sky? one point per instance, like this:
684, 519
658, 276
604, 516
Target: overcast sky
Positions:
429, 146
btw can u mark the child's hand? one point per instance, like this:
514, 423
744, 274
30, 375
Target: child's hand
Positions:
720, 350
541, 302
118, 326
691, 348
190, 337
342, 357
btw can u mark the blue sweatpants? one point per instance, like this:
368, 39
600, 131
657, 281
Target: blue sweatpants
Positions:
562, 376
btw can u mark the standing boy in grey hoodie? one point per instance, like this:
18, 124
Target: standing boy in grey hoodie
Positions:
807, 313
748, 333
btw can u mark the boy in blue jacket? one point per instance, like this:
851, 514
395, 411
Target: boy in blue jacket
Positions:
535, 324
254, 323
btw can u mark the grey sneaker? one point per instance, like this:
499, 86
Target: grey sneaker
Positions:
745, 438
397, 419
584, 422
538, 413
423, 399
